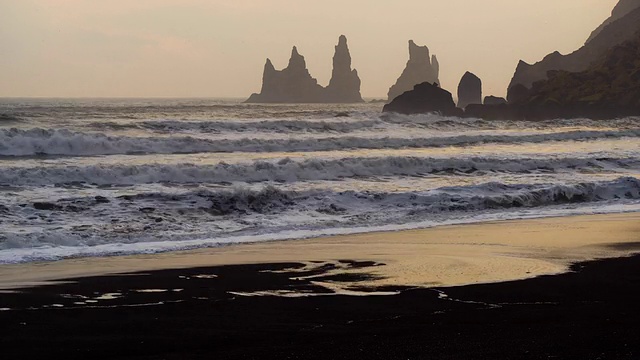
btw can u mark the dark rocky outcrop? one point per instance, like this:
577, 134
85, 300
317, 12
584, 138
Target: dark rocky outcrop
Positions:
294, 84
424, 98
614, 33
494, 100
469, 90
420, 68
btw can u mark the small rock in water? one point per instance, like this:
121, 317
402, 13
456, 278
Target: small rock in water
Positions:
73, 208
46, 206
332, 209
147, 210
102, 200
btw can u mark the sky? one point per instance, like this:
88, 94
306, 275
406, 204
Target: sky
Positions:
217, 48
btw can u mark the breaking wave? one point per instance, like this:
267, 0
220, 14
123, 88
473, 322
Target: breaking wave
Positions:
17, 142
459, 198
198, 218
216, 127
9, 118
288, 170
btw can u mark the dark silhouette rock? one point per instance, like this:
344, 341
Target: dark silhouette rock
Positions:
469, 90
614, 33
294, 84
494, 100
420, 68
344, 86
424, 98
623, 8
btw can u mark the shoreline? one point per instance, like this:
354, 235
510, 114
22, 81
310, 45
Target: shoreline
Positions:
443, 256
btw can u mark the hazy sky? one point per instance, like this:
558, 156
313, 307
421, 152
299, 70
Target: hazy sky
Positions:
217, 48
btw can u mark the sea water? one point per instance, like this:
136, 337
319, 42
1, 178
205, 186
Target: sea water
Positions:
96, 177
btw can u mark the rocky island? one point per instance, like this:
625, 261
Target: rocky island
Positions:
294, 84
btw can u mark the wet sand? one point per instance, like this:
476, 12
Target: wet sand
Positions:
443, 256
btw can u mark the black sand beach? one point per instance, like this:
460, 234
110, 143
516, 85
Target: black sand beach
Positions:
589, 313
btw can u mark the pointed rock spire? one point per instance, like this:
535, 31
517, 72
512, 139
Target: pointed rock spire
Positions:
418, 54
296, 61
436, 66
344, 86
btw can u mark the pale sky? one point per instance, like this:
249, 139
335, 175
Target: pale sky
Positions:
217, 48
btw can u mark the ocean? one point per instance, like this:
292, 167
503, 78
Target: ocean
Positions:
101, 177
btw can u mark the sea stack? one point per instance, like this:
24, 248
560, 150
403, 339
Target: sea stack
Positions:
419, 69
344, 86
294, 84
469, 90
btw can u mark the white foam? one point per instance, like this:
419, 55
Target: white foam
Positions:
252, 216
287, 170
18, 142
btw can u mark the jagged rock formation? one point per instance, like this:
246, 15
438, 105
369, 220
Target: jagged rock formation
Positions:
424, 98
294, 84
623, 8
469, 90
494, 100
344, 86
610, 35
607, 89
420, 68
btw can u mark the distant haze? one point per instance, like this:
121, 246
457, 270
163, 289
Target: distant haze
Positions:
215, 48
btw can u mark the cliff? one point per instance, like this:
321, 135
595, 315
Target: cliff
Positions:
623, 8
610, 35
294, 84
419, 69
613, 81
609, 88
